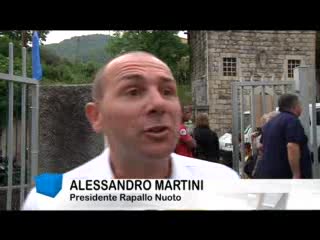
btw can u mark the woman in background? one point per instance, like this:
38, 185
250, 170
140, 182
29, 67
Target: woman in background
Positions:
207, 140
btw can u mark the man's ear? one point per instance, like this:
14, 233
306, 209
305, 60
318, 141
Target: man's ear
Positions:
94, 116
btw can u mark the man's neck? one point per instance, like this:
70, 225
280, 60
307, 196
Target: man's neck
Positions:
131, 167
291, 112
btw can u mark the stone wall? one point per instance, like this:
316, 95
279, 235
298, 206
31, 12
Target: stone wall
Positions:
66, 139
318, 65
199, 61
258, 53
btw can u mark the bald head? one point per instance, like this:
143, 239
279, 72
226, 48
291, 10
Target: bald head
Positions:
104, 73
137, 107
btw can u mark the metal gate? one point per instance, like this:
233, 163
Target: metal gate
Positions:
256, 97
19, 179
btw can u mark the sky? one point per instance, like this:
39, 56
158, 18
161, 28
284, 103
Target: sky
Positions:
58, 36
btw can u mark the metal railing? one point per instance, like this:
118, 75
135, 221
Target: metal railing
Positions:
304, 84
31, 147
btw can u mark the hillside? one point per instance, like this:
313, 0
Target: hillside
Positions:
84, 48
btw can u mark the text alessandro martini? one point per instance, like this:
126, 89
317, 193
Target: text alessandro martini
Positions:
131, 190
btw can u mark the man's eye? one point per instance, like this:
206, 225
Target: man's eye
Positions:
133, 92
168, 92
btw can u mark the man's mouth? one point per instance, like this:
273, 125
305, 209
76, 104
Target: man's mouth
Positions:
157, 132
156, 129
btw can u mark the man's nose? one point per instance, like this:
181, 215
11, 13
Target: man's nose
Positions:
156, 101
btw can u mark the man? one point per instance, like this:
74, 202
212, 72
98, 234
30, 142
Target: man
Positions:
249, 161
186, 144
285, 145
188, 123
135, 104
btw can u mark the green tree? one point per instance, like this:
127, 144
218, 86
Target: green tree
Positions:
25, 36
166, 45
5, 39
183, 70
50, 58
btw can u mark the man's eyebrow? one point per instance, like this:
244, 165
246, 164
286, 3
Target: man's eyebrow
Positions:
138, 77
167, 79
133, 77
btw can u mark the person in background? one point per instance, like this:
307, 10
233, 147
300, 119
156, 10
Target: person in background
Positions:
206, 139
285, 146
186, 143
249, 160
188, 123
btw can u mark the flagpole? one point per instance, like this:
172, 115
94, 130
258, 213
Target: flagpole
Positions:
37, 74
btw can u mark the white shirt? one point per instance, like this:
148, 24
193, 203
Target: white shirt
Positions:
99, 168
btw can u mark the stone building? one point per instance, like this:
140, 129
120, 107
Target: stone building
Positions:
221, 57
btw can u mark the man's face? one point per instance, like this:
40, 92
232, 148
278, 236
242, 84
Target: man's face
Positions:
298, 109
140, 110
187, 115
246, 151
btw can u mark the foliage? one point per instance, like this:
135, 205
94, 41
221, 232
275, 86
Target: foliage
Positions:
184, 93
166, 45
4, 92
55, 70
16, 35
59, 66
81, 49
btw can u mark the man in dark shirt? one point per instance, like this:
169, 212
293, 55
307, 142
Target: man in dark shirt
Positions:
285, 145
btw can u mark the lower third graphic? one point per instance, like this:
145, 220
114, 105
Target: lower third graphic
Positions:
49, 184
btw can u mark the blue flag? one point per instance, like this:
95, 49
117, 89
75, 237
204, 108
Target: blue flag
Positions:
36, 64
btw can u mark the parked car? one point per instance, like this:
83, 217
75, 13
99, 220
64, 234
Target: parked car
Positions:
226, 147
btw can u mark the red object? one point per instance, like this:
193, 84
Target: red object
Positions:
181, 147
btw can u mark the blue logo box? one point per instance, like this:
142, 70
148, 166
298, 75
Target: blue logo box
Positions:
49, 184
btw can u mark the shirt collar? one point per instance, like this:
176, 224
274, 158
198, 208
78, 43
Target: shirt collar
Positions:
178, 169
288, 113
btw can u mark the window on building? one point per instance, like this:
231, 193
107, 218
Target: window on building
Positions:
292, 64
229, 66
